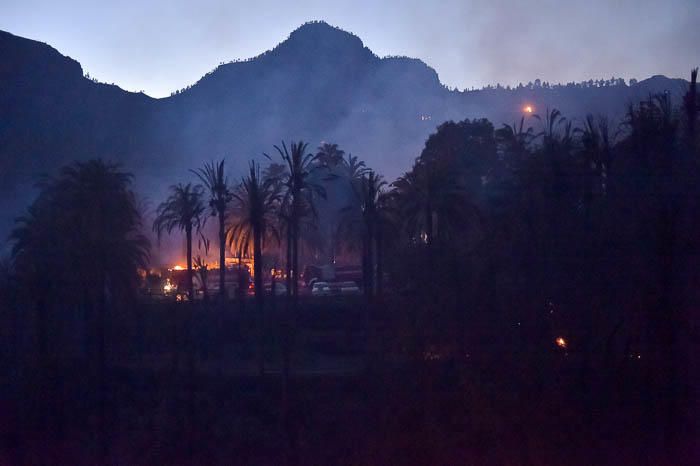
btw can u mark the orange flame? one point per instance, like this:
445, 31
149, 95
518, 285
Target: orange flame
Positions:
561, 343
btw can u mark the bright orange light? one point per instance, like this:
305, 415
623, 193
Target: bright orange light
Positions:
169, 287
528, 109
178, 267
561, 343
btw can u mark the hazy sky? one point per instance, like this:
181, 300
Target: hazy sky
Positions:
159, 46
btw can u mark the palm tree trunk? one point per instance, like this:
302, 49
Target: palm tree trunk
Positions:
241, 285
369, 291
287, 311
291, 321
101, 365
380, 263
428, 226
222, 257
205, 290
295, 281
365, 267
295, 263
370, 257
289, 262
257, 272
190, 277
190, 342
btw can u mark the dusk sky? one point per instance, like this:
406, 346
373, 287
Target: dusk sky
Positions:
161, 46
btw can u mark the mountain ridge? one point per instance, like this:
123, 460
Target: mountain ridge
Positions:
321, 83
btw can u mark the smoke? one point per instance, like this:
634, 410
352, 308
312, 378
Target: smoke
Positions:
322, 84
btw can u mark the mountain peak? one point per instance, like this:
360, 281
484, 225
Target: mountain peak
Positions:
323, 30
322, 38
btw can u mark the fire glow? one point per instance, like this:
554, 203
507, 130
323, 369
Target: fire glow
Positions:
169, 287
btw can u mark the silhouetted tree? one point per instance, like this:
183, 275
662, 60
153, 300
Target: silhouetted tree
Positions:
298, 201
216, 182
182, 210
514, 140
329, 155
354, 167
201, 265
256, 203
364, 219
83, 231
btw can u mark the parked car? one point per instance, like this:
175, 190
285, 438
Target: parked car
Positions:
331, 273
348, 288
280, 288
321, 289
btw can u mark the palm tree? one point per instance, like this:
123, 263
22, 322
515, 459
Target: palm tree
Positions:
329, 155
354, 167
183, 210
591, 154
36, 268
557, 137
654, 157
364, 219
379, 216
595, 156
431, 202
413, 196
106, 215
85, 228
215, 180
330, 172
201, 265
514, 140
84, 232
275, 171
256, 201
348, 225
298, 201
552, 138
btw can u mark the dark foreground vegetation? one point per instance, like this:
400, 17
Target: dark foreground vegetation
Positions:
488, 408
530, 296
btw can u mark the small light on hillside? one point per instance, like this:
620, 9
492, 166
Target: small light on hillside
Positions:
528, 109
561, 343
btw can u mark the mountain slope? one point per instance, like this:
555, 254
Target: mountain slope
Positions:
321, 83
